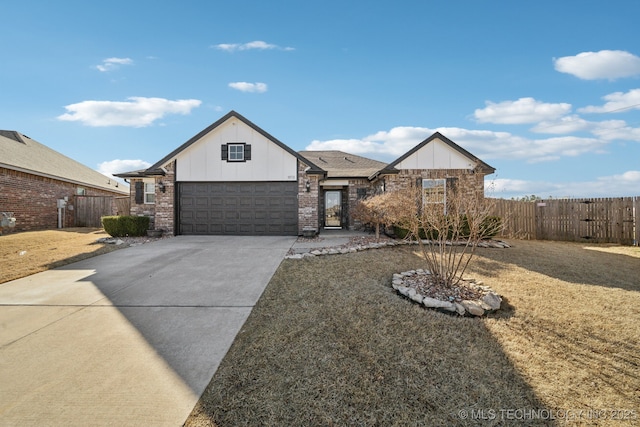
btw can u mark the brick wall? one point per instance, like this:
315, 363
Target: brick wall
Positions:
366, 189
161, 213
469, 181
33, 200
142, 209
307, 201
165, 208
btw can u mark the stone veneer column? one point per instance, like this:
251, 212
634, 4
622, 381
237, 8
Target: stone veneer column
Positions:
165, 201
307, 200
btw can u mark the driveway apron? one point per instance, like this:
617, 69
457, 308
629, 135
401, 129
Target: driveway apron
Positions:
132, 337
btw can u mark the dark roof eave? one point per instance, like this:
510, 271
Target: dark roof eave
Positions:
385, 171
142, 173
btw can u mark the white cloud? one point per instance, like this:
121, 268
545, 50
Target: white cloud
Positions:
524, 110
384, 145
616, 101
112, 167
624, 184
605, 64
249, 87
616, 130
254, 45
563, 125
487, 145
135, 112
113, 63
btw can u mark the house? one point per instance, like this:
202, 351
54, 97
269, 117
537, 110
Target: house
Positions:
235, 178
42, 188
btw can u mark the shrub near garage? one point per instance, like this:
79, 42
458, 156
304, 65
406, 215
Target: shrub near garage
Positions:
122, 226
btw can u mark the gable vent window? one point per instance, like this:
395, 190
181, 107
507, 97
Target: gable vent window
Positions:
236, 152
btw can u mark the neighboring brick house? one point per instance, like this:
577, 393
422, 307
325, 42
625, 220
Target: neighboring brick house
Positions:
235, 178
34, 177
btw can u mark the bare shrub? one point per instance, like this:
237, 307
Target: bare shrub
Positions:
447, 232
375, 211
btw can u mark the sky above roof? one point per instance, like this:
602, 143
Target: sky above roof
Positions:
546, 92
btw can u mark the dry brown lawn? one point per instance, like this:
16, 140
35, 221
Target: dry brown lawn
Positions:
330, 343
26, 253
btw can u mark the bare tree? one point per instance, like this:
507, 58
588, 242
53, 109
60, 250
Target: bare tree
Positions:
448, 229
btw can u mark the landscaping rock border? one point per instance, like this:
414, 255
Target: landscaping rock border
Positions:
489, 302
131, 241
358, 246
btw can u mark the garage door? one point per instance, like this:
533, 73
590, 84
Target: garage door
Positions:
239, 208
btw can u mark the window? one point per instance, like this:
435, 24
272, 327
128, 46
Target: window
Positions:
80, 191
434, 191
149, 192
236, 152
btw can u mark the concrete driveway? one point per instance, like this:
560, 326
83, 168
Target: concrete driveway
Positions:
132, 337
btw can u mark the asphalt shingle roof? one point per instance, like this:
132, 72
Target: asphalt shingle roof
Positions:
19, 152
339, 164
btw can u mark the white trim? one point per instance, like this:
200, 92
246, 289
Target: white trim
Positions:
334, 182
146, 193
436, 183
241, 151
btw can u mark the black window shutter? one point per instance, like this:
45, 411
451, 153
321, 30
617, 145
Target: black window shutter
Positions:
247, 151
225, 152
139, 192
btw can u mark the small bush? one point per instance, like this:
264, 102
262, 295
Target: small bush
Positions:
121, 226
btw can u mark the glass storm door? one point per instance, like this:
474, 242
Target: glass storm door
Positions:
332, 209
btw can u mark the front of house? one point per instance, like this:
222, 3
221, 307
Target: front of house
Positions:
234, 178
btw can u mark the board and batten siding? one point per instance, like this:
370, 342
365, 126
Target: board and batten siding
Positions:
436, 155
202, 160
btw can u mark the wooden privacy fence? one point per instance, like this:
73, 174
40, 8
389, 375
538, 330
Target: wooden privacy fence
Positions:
90, 209
601, 220
123, 205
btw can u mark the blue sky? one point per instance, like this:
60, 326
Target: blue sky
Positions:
547, 92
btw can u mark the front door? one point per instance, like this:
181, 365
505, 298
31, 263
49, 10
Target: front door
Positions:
333, 209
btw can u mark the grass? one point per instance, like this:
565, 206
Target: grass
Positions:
330, 343
26, 253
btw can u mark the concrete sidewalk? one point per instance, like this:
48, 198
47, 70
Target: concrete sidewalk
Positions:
132, 337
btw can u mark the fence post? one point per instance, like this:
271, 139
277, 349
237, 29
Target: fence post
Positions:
636, 226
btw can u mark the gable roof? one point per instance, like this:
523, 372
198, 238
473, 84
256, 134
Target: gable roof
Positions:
482, 166
339, 164
156, 169
21, 153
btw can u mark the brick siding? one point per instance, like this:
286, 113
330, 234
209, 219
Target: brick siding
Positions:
308, 202
469, 181
33, 200
165, 201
